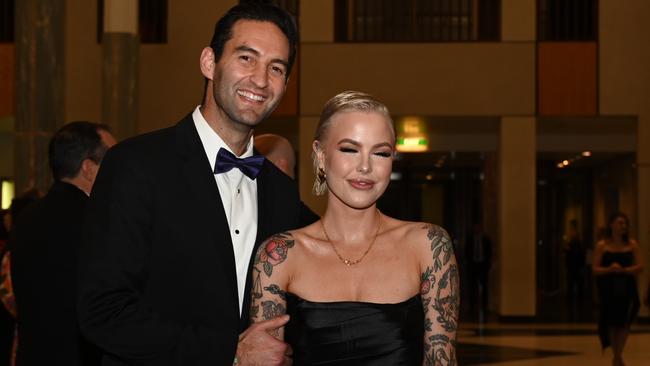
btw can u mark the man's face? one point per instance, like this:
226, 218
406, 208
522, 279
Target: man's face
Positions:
249, 79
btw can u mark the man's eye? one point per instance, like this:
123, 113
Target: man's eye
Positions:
277, 70
245, 58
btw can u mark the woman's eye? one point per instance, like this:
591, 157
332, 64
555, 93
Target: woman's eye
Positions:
347, 150
383, 154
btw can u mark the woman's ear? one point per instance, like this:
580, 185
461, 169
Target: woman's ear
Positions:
207, 63
316, 146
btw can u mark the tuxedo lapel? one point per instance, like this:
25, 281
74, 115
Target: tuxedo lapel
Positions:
206, 201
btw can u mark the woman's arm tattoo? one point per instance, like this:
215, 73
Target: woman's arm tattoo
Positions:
439, 288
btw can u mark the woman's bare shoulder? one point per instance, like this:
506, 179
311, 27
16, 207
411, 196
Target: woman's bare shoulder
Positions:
418, 232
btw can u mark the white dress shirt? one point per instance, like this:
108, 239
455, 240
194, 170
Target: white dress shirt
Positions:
239, 198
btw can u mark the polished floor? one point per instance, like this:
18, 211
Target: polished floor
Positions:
545, 344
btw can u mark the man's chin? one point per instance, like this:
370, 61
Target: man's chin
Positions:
252, 118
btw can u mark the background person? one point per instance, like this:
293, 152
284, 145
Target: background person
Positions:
44, 244
278, 150
617, 262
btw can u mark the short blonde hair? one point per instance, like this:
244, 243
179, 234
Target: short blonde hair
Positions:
347, 101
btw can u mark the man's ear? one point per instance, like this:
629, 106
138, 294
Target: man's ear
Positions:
207, 62
88, 169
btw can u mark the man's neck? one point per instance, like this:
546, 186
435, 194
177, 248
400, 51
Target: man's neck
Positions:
78, 182
236, 139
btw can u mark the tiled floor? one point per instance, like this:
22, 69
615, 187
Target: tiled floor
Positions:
545, 344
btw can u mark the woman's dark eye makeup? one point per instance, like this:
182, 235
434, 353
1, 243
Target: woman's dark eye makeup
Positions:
347, 149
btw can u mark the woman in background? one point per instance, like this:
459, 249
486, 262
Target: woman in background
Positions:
361, 288
617, 262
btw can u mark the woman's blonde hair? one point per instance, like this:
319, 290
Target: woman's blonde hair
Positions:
347, 101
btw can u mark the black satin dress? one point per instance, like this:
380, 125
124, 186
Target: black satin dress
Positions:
355, 333
618, 295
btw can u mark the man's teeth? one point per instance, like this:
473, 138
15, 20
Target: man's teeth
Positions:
250, 95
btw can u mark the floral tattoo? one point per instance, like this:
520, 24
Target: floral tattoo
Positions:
439, 288
270, 297
274, 253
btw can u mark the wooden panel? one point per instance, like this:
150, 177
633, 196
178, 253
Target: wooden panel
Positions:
289, 104
7, 60
567, 79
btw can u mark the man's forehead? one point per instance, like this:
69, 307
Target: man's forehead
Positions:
247, 29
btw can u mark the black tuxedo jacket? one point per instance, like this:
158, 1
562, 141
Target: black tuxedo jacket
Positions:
158, 280
45, 242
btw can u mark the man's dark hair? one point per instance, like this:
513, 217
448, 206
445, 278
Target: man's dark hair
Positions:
72, 144
257, 11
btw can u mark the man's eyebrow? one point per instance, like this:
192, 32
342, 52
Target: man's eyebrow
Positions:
245, 48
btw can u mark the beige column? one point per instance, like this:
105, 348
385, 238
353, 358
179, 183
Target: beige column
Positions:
317, 21
516, 247
39, 88
316, 26
518, 20
121, 49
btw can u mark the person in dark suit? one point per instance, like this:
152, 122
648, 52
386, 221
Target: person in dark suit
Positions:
478, 252
176, 214
44, 244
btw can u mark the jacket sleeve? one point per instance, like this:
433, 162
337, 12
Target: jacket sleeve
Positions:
113, 274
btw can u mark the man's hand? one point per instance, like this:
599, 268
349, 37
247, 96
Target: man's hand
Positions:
258, 347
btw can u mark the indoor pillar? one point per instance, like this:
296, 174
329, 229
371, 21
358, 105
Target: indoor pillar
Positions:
517, 196
40, 27
120, 55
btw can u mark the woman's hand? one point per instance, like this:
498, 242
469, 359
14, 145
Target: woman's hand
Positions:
616, 268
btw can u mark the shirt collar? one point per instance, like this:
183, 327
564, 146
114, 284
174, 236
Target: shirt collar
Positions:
211, 140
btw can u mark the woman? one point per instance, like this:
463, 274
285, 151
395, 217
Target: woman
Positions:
617, 262
361, 288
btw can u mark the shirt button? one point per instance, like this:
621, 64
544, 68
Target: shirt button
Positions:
236, 231
238, 191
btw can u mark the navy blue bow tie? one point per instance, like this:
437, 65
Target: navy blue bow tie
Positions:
250, 166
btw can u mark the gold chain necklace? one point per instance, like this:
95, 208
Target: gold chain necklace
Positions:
351, 262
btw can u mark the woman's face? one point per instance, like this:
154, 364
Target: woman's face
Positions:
357, 156
619, 226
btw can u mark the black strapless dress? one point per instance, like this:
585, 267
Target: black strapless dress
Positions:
355, 333
618, 295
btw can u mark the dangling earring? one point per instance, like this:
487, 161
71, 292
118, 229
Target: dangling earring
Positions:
320, 183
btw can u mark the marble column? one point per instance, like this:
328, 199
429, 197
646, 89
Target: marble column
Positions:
40, 27
120, 63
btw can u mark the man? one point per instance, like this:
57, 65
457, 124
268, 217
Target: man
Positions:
175, 214
44, 245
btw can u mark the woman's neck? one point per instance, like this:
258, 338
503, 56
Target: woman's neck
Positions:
350, 225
